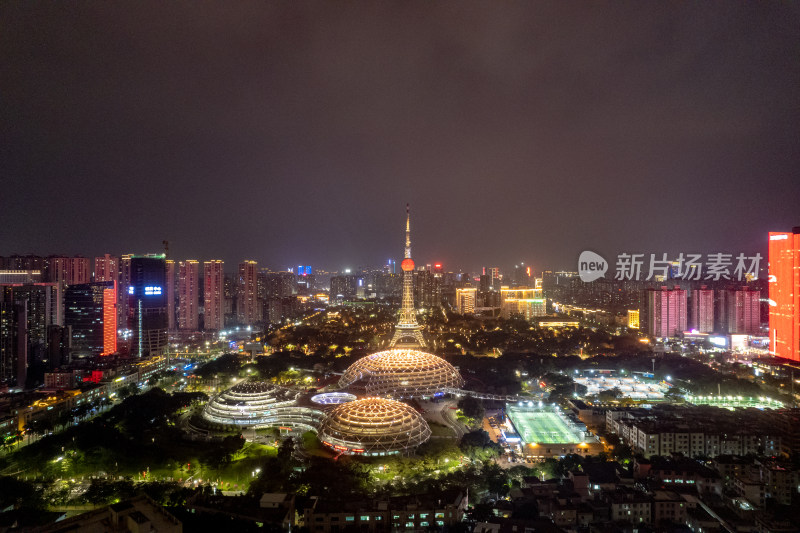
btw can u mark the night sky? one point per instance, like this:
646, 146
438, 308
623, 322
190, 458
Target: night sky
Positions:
295, 132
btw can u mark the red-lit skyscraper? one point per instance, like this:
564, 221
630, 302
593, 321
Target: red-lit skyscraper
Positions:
666, 312
214, 295
188, 295
784, 294
247, 294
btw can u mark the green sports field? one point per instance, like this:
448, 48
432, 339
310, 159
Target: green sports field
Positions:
541, 427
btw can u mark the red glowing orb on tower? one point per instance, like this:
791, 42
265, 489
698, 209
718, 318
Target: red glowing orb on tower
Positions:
407, 265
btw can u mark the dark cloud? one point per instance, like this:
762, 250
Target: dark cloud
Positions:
295, 132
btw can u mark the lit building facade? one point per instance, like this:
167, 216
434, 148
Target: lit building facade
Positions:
213, 295
248, 310
90, 309
189, 295
784, 294
522, 301
701, 315
666, 312
633, 318
744, 311
465, 300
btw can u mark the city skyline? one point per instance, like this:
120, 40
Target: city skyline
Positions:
271, 133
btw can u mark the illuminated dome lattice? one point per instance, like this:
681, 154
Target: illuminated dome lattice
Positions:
373, 426
260, 404
403, 373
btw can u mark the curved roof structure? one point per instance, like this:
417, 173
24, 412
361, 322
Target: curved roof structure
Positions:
373, 426
403, 373
260, 403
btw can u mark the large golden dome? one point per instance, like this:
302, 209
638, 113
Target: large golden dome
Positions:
403, 373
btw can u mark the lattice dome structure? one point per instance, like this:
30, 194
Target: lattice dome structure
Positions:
373, 426
403, 373
260, 404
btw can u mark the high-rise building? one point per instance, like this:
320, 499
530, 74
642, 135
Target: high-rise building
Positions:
123, 293
737, 311
79, 270
701, 312
343, 288
27, 311
147, 304
666, 312
90, 309
522, 301
521, 276
188, 295
465, 300
248, 309
106, 268
784, 294
214, 295
14, 345
58, 269
633, 318
170, 288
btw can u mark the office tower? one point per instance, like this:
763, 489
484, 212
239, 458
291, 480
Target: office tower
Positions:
106, 268
701, 312
90, 309
784, 294
214, 295
407, 331
170, 288
465, 300
147, 304
666, 312
247, 306
188, 295
78, 270
525, 302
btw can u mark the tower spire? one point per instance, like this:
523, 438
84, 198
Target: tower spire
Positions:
408, 231
407, 328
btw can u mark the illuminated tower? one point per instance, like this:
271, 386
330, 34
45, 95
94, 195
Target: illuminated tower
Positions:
407, 330
784, 294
